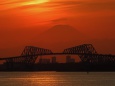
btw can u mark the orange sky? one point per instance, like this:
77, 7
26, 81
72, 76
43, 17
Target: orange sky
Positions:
23, 20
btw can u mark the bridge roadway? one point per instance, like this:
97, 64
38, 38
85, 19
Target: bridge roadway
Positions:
100, 55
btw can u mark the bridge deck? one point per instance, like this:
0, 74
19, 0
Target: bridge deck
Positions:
104, 55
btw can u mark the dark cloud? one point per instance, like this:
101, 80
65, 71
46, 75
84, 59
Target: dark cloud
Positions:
60, 19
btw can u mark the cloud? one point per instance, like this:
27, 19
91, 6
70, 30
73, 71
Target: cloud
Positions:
87, 5
13, 2
70, 5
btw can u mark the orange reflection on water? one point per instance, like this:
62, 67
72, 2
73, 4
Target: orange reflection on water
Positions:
45, 79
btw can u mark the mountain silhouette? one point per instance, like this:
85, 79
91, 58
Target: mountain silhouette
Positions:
60, 36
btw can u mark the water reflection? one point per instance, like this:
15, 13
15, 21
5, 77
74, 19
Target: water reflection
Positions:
46, 79
56, 79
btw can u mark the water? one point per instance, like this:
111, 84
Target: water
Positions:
57, 79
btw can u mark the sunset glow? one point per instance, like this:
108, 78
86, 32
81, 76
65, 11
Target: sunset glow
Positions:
35, 2
23, 21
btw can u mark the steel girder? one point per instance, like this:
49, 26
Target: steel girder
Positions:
29, 55
82, 50
87, 53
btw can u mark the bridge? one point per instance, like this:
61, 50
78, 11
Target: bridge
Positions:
86, 52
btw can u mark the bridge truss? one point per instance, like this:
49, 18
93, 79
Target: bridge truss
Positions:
86, 52
28, 56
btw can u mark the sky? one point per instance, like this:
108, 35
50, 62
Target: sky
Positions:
23, 20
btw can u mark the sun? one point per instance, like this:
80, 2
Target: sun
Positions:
40, 1
36, 2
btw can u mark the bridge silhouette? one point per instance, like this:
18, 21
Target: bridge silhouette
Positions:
86, 52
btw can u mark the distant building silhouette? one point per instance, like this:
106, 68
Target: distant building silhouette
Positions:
70, 60
54, 59
44, 61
